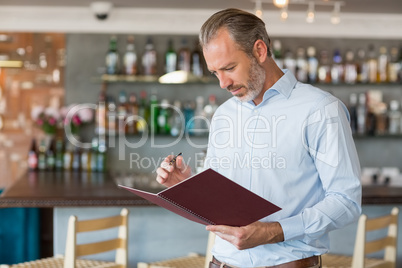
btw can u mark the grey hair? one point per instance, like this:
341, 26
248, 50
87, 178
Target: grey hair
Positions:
243, 27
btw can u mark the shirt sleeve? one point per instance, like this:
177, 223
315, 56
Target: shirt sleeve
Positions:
329, 140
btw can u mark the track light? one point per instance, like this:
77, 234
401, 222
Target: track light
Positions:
258, 8
310, 12
284, 13
335, 17
281, 3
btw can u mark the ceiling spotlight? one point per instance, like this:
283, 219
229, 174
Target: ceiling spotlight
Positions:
284, 13
310, 12
281, 3
335, 17
258, 8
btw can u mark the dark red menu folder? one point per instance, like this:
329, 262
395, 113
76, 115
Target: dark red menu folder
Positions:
210, 198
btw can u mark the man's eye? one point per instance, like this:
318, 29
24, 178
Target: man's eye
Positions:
229, 69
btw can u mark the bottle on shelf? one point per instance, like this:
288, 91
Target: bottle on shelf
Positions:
163, 117
361, 114
353, 112
350, 68
130, 57
184, 57
200, 125
312, 65
112, 57
154, 113
176, 120
324, 69
149, 59
101, 155
210, 108
382, 64
76, 160
42, 155
301, 65
394, 115
132, 114
51, 156
143, 113
68, 157
337, 70
381, 114
394, 66
277, 53
85, 160
100, 128
111, 117
170, 58
362, 67
33, 156
197, 65
188, 111
94, 155
372, 65
59, 161
122, 113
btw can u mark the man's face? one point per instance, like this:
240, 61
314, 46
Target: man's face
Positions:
239, 74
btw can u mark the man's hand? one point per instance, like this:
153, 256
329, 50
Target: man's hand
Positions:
252, 235
170, 175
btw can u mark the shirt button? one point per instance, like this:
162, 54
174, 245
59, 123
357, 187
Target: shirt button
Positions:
255, 111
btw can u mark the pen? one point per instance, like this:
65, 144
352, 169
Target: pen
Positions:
174, 159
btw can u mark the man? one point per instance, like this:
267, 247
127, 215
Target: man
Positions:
286, 141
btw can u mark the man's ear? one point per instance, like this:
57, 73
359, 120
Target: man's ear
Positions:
260, 51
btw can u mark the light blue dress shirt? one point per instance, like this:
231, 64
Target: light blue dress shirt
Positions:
296, 150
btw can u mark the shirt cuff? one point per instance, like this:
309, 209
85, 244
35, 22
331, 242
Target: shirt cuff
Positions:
293, 228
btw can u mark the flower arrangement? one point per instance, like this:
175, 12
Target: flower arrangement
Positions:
71, 117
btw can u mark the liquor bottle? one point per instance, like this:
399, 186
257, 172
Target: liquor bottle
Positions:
68, 157
361, 114
101, 156
143, 113
59, 162
362, 67
132, 114
100, 128
170, 58
277, 53
200, 124
154, 113
301, 65
350, 68
51, 156
76, 160
289, 62
163, 117
33, 156
176, 120
112, 57
42, 155
337, 68
210, 108
149, 59
381, 114
184, 57
122, 111
394, 125
94, 154
188, 111
130, 57
324, 69
312, 65
382, 64
394, 66
85, 160
353, 112
372, 65
197, 64
111, 117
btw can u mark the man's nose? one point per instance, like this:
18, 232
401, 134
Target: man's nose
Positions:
224, 81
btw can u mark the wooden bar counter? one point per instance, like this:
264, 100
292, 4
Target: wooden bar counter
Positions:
66, 189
